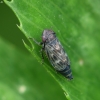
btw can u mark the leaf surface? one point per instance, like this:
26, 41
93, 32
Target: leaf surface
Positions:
77, 26
21, 79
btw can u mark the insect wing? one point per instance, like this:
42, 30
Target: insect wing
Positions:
56, 55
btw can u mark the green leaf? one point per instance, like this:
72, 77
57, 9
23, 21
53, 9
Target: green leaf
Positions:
21, 79
77, 26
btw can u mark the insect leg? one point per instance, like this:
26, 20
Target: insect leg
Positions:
42, 52
42, 55
39, 43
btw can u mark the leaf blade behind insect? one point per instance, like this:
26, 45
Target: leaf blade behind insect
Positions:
75, 23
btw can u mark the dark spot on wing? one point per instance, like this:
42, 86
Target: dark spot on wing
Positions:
48, 55
58, 64
54, 57
54, 51
61, 63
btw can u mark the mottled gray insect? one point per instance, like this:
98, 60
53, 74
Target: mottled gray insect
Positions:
55, 52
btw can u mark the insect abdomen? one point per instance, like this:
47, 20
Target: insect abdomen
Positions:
67, 72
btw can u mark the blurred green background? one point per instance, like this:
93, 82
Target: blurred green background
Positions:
77, 24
